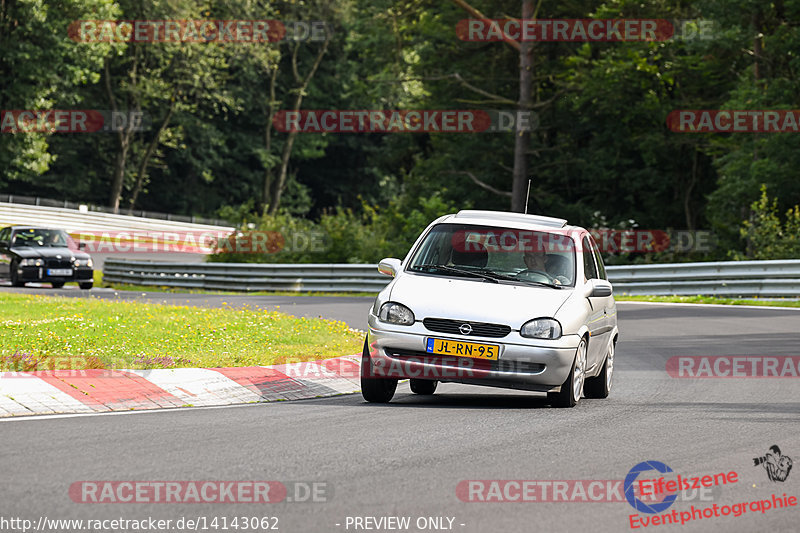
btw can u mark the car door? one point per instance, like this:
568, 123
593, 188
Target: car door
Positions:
597, 323
610, 303
5, 256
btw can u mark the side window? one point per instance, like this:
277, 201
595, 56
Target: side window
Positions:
589, 268
5, 234
601, 268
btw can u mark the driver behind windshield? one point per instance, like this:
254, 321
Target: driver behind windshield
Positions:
555, 266
54, 239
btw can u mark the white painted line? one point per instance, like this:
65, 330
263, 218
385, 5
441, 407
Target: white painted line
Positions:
685, 304
145, 411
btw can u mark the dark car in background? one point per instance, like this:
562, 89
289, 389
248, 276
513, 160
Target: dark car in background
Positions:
43, 255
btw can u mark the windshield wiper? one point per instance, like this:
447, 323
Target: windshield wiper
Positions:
458, 271
512, 278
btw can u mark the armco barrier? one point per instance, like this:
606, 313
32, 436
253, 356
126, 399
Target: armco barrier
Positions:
76, 221
729, 278
247, 276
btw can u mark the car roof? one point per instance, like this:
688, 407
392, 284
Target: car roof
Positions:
507, 219
17, 228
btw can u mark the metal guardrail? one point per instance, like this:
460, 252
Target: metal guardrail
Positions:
92, 221
764, 279
247, 276
729, 278
47, 202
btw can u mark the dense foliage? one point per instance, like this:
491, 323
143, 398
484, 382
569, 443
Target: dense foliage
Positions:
601, 154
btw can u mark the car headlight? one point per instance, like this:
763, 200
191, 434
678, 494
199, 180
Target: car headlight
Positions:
84, 263
395, 313
31, 262
541, 328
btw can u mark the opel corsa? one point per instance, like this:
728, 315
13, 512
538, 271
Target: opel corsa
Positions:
495, 299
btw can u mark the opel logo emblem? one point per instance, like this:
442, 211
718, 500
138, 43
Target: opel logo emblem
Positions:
58, 257
465, 329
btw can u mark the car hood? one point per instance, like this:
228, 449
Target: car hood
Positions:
46, 252
476, 300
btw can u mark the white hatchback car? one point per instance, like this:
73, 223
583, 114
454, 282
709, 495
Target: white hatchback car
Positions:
496, 299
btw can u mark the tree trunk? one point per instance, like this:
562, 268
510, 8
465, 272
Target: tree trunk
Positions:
151, 148
279, 184
124, 137
522, 138
266, 196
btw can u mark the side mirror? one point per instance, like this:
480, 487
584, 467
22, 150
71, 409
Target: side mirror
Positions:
598, 288
389, 266
81, 246
3, 244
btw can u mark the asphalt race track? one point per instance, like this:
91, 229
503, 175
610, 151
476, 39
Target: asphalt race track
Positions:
406, 459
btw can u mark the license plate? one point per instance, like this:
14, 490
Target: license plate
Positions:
59, 271
463, 349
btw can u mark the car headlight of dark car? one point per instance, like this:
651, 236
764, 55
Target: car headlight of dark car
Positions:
83, 263
395, 313
31, 263
541, 328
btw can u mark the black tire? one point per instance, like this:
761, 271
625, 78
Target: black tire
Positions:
86, 286
15, 281
567, 397
375, 389
600, 386
424, 386
57, 284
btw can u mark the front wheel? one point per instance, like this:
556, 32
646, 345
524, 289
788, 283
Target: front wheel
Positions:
600, 386
15, 281
572, 388
86, 286
375, 389
426, 387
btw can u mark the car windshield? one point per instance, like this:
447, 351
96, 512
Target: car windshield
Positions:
497, 254
39, 238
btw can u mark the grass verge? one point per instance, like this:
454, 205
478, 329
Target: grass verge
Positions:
706, 300
44, 333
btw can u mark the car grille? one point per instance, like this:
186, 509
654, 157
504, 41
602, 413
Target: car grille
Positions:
58, 263
519, 367
479, 329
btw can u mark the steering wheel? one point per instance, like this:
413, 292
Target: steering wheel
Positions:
529, 273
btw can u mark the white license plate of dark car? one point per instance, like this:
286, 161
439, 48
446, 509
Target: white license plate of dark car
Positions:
59, 271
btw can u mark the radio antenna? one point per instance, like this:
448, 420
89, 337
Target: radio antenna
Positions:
528, 195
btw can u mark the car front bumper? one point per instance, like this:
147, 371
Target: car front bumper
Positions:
34, 273
527, 364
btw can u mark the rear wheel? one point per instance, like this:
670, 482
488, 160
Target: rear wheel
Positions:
600, 386
57, 284
375, 389
423, 386
15, 281
572, 388
86, 286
